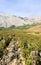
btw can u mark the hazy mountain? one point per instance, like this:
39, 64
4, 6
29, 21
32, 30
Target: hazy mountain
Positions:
9, 20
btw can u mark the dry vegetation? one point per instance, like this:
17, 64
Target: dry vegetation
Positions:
28, 40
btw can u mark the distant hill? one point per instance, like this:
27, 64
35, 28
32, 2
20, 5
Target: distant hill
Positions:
2, 28
12, 27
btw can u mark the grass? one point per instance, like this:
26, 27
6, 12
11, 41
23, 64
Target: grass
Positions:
27, 42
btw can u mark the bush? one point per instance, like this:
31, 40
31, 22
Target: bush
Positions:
24, 44
1, 49
1, 37
1, 53
7, 41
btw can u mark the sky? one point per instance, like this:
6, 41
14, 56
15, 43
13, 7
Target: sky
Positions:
25, 8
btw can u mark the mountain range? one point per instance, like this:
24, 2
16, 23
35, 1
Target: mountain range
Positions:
9, 20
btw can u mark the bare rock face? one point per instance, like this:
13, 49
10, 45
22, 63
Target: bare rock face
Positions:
12, 55
9, 20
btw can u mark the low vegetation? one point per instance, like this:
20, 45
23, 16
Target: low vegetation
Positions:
27, 42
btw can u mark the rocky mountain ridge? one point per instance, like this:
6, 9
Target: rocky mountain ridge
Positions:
9, 20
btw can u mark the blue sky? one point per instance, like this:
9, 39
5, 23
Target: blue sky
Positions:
28, 8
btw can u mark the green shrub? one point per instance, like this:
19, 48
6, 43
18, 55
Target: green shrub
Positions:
1, 49
7, 41
1, 53
1, 37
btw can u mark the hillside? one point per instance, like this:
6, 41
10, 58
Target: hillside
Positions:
16, 46
9, 20
34, 30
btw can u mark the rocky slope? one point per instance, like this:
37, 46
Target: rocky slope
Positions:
12, 55
8, 20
